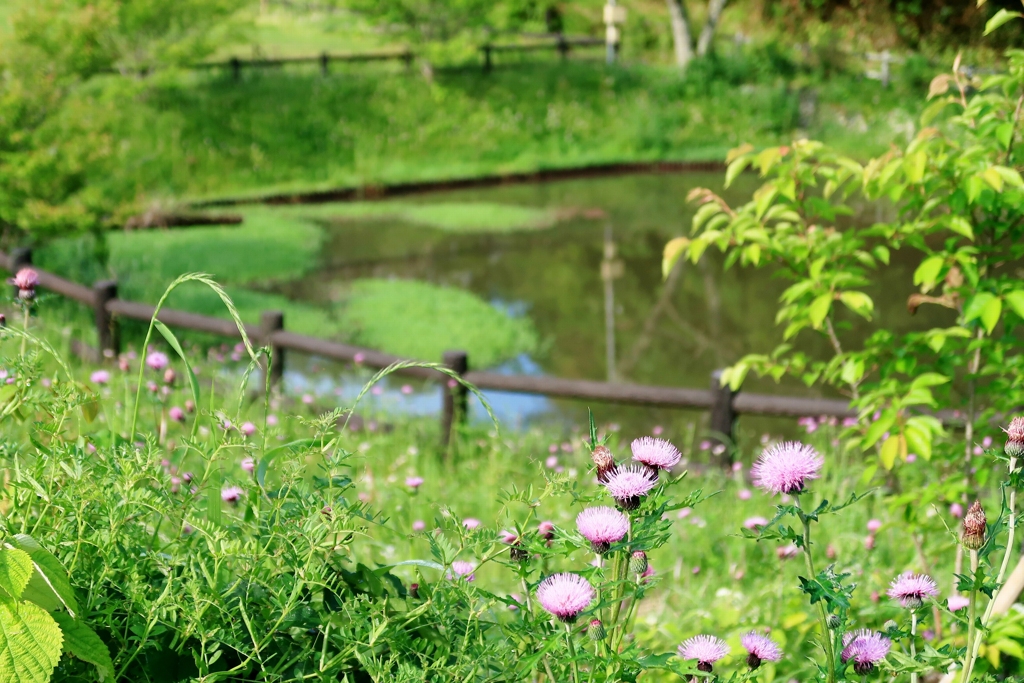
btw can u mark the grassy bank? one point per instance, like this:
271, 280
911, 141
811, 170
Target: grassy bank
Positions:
191, 135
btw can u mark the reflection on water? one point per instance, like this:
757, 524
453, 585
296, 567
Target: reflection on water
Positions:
594, 288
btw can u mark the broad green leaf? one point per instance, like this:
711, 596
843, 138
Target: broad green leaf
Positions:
858, 302
673, 250
735, 168
83, 643
893, 447
192, 380
991, 176
919, 440
959, 225
977, 305
914, 166
819, 309
878, 428
1015, 300
1010, 176
928, 272
30, 643
1000, 18
929, 379
49, 586
15, 570
990, 316
853, 371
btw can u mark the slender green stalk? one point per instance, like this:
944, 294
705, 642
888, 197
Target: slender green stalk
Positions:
822, 613
913, 642
1004, 565
572, 654
972, 614
24, 326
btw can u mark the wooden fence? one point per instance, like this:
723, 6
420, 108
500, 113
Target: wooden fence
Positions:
562, 44
724, 405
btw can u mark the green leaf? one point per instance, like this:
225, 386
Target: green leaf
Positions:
960, 226
82, 642
928, 272
878, 428
49, 586
977, 305
30, 643
914, 166
192, 380
929, 379
735, 168
893, 447
673, 250
819, 309
858, 302
15, 570
1015, 300
990, 316
1000, 18
919, 440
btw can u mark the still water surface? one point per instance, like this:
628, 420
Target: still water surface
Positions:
635, 327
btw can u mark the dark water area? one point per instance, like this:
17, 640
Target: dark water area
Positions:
672, 333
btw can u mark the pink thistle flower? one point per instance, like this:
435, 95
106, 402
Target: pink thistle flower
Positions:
755, 522
463, 570
414, 482
406, 389
359, 358
785, 468
761, 648
377, 390
176, 414
869, 542
248, 464
911, 589
551, 462
231, 494
307, 399
865, 648
546, 529
247, 429
955, 603
874, 525
471, 523
99, 377
705, 649
602, 526
509, 537
657, 454
419, 525
627, 485
647, 574
272, 420
744, 494
565, 596
705, 445
657, 430
787, 552
957, 510
156, 360
26, 280
516, 598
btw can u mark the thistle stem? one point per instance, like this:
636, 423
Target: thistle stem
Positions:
572, 654
913, 642
822, 614
24, 326
972, 615
1012, 523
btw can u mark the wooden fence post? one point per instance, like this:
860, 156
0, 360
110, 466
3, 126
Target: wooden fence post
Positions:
563, 47
108, 333
236, 68
454, 399
407, 58
21, 257
723, 418
487, 58
324, 61
270, 322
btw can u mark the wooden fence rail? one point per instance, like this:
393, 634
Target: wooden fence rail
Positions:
724, 405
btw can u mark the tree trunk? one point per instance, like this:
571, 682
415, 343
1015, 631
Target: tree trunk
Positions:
715, 8
681, 36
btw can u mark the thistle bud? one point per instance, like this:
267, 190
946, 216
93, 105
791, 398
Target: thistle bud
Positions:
596, 630
973, 533
414, 590
169, 376
604, 462
638, 562
890, 627
1015, 438
833, 622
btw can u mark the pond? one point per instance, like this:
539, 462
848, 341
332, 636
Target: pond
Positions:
630, 326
